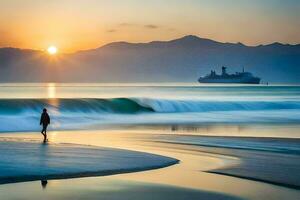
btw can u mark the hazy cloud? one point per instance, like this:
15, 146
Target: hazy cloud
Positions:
126, 24
111, 30
151, 26
171, 29
148, 26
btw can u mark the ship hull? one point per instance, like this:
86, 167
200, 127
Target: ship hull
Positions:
236, 81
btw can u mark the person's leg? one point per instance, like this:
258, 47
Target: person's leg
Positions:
45, 132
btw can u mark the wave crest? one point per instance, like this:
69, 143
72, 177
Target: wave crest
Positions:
137, 105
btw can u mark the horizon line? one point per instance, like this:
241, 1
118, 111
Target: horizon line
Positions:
149, 42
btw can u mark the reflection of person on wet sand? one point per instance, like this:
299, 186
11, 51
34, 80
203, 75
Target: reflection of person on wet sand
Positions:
44, 183
174, 128
45, 121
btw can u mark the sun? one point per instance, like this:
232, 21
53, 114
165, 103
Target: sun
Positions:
52, 50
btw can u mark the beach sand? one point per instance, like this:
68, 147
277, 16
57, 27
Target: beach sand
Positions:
195, 177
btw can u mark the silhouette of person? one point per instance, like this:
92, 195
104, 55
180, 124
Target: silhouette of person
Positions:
45, 121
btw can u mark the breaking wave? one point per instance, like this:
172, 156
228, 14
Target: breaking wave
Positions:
23, 114
136, 105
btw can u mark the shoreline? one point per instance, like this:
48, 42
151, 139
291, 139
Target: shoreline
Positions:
263, 165
32, 161
256, 179
193, 172
81, 175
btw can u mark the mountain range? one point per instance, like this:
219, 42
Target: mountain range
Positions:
179, 60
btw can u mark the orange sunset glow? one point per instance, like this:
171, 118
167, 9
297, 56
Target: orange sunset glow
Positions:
155, 99
90, 24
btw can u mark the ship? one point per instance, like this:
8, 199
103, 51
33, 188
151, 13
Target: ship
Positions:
239, 77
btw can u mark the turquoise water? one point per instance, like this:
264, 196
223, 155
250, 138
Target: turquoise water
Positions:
92, 106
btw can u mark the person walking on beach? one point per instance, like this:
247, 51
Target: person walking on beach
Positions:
45, 121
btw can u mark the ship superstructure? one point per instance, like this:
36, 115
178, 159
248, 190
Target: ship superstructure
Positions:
238, 77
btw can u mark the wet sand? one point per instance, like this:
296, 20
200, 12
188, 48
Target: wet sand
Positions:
188, 179
29, 161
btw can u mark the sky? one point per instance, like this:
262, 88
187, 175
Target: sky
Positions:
74, 25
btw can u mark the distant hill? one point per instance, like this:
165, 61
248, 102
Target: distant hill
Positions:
180, 60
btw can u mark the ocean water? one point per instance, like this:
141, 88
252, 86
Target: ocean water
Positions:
94, 106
